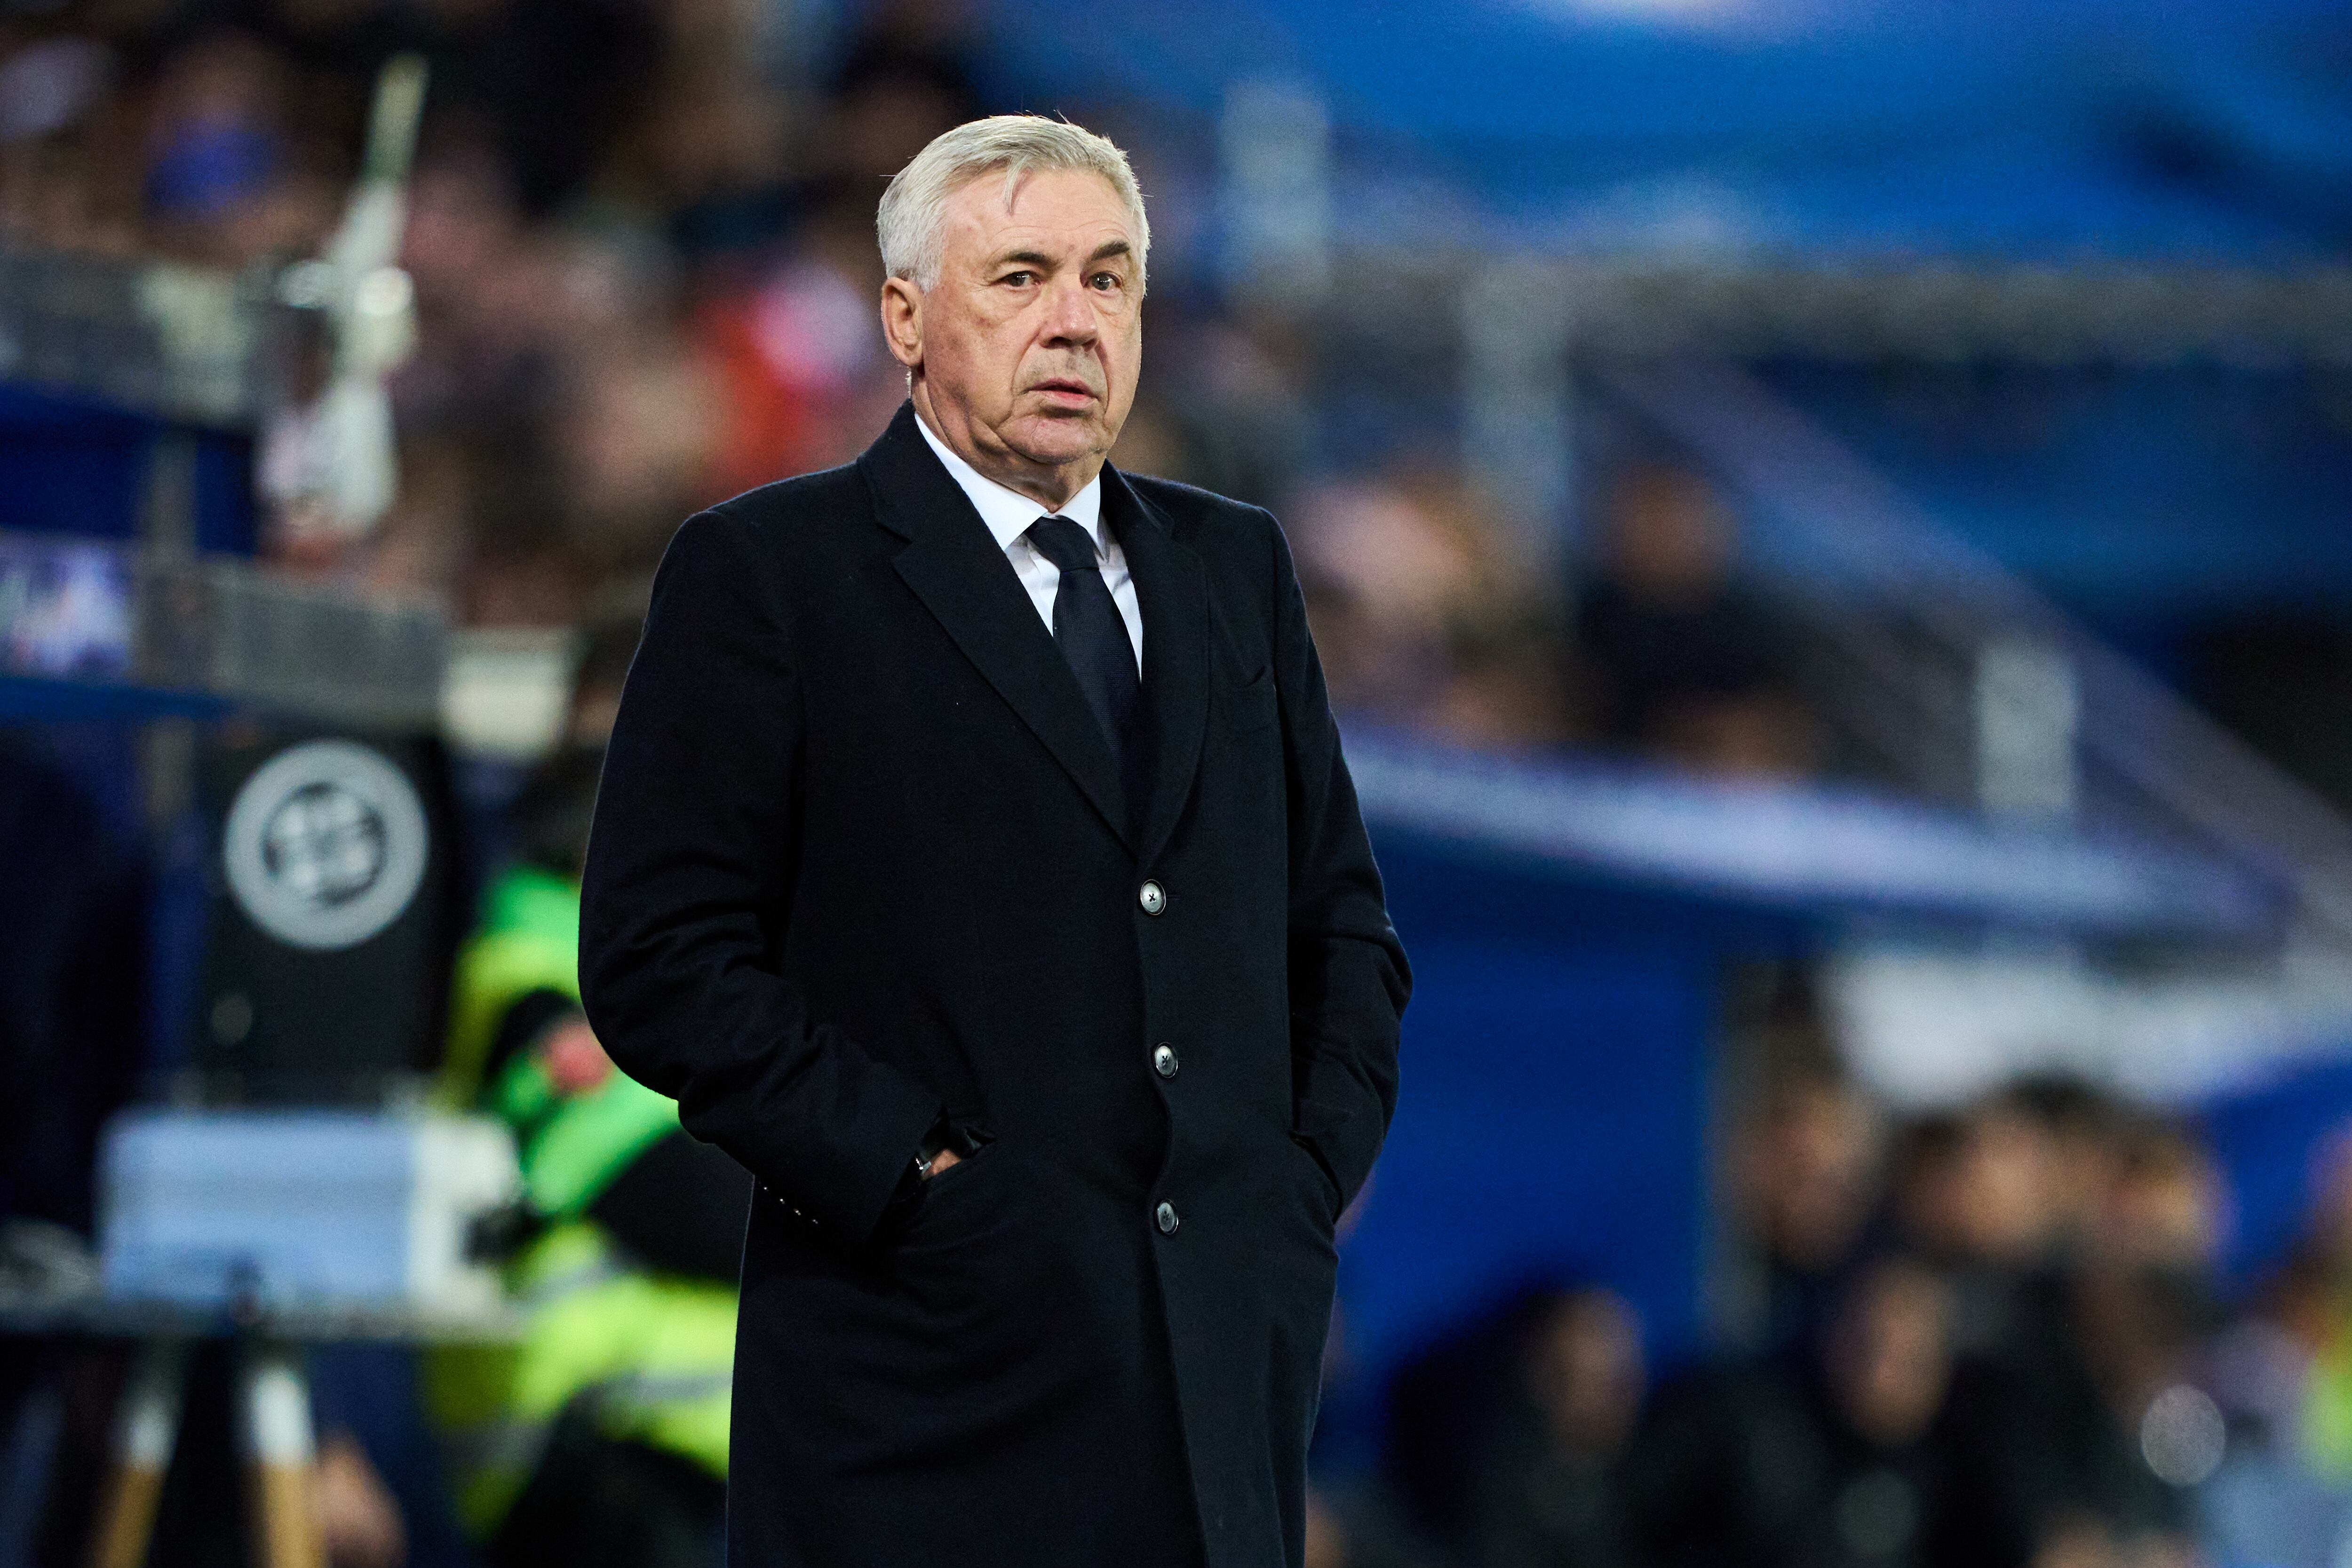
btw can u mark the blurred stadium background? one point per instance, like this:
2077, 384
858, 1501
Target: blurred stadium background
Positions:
1830, 528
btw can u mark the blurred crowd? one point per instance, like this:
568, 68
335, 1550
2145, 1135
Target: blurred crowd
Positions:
641, 236
1985, 1336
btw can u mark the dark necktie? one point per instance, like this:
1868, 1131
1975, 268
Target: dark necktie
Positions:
1089, 629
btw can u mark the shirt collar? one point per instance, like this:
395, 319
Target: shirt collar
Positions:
1007, 512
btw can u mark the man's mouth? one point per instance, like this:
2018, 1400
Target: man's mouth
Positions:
1064, 389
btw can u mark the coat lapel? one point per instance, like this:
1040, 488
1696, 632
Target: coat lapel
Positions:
955, 567
1173, 588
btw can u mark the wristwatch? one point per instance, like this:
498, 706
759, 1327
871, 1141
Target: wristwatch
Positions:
944, 1135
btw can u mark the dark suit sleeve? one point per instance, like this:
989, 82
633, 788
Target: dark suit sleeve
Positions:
1349, 980
688, 895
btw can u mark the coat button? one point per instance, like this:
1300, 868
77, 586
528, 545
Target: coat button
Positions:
1163, 1061
1164, 1217
1151, 898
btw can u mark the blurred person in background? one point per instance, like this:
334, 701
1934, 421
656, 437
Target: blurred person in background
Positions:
1979, 1193
2315, 1295
804, 377
554, 86
2281, 1373
485, 285
2087, 1137
1801, 1162
789, 333
602, 1436
1804, 1174
72, 993
2147, 1304
2160, 1204
2085, 1241
1837, 1454
520, 561
69, 157
1384, 577
73, 935
1550, 1492
1451, 1409
2087, 1452
1227, 409
1424, 618
1927, 1201
1674, 658
906, 76
219, 183
635, 423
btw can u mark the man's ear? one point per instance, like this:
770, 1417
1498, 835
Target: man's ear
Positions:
902, 322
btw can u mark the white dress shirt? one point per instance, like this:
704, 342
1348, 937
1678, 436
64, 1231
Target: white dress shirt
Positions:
1008, 514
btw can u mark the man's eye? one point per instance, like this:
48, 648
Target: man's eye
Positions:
1105, 280
1019, 279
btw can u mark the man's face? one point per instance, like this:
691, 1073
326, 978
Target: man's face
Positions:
1026, 351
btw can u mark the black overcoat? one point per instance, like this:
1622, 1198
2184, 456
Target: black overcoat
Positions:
861, 855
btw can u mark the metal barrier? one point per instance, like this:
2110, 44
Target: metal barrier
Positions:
80, 613
163, 339
1963, 682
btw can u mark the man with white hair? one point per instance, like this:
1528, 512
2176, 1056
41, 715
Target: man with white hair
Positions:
975, 862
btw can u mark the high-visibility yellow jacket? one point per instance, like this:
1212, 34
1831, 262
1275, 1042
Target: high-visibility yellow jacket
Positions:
651, 1354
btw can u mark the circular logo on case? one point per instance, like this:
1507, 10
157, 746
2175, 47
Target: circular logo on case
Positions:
325, 845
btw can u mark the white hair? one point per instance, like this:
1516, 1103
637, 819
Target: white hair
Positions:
912, 220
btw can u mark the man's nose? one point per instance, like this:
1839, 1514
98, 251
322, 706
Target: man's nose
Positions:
1069, 314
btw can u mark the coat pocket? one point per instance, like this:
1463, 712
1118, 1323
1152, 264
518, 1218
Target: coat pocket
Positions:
957, 1203
1252, 705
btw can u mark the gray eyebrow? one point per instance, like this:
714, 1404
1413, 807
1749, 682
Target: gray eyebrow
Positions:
1038, 258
